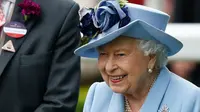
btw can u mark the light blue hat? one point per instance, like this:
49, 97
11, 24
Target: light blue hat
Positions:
145, 23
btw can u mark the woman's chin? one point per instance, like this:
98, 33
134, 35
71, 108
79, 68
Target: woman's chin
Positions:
118, 89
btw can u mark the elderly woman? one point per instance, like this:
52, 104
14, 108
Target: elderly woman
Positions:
132, 49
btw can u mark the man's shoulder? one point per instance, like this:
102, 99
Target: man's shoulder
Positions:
60, 3
58, 6
64, 3
55, 12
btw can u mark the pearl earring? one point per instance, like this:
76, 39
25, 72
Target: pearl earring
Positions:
150, 70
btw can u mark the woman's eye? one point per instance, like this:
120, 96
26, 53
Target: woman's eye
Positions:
102, 54
121, 54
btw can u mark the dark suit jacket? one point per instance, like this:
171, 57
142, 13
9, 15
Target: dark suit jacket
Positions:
43, 74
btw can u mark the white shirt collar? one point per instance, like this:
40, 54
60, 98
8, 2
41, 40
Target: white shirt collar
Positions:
13, 1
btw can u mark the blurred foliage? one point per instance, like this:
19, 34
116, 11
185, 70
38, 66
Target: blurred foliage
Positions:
82, 96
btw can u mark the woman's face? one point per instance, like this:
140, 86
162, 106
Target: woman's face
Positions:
122, 65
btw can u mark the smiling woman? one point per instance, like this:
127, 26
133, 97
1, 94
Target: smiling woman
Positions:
123, 64
132, 51
124, 67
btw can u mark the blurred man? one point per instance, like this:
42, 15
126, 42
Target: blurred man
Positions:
183, 68
39, 71
185, 11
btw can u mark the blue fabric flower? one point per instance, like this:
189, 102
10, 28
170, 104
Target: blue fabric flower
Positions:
126, 19
103, 17
86, 24
107, 14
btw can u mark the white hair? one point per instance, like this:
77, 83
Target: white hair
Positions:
152, 47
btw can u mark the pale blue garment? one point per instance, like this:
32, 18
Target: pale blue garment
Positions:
169, 90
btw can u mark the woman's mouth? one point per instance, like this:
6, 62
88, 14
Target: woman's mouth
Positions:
116, 79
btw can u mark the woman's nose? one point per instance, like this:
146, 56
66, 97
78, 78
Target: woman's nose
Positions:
110, 66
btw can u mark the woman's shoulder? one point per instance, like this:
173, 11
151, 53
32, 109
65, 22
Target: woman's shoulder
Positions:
183, 85
180, 94
186, 92
99, 89
98, 97
177, 84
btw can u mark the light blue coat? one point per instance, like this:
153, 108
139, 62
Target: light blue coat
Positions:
169, 90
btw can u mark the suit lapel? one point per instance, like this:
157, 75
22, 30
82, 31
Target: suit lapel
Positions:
157, 92
6, 56
116, 103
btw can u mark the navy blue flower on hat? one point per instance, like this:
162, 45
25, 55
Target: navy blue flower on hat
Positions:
86, 23
103, 17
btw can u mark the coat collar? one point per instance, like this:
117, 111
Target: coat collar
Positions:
13, 1
157, 92
153, 99
5, 57
116, 103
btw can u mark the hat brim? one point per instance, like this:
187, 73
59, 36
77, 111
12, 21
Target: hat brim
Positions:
136, 29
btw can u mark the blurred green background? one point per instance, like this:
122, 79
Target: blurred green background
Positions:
89, 75
82, 95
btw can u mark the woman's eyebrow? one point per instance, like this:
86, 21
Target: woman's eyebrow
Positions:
121, 49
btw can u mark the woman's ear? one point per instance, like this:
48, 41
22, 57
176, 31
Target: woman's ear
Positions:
152, 61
